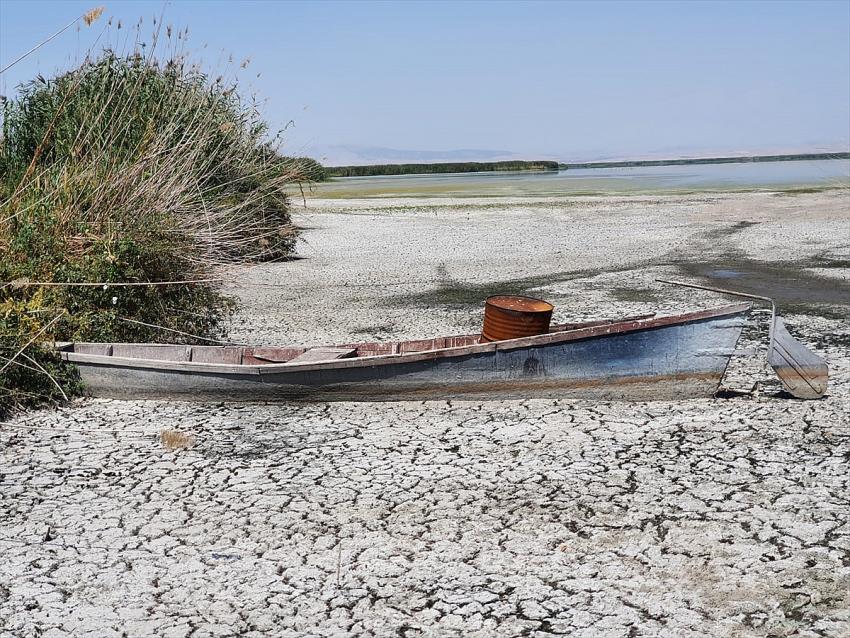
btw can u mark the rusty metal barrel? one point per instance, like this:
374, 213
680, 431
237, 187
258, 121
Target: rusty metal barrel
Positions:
514, 316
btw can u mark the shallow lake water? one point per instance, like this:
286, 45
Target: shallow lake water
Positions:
646, 179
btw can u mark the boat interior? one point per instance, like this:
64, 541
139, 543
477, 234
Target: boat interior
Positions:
261, 355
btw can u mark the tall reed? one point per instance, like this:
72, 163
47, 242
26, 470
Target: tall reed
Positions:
134, 167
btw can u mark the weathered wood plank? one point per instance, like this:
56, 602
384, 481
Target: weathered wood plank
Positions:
217, 354
156, 352
803, 374
266, 355
314, 355
102, 349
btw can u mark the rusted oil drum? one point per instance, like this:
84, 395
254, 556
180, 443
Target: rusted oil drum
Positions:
514, 316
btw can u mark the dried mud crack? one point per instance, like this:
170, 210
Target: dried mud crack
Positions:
717, 517
714, 517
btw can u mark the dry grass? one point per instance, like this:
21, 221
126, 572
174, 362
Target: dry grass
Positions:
136, 166
174, 440
91, 16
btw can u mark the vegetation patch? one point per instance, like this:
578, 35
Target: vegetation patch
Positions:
640, 295
445, 167
807, 190
707, 160
384, 329
452, 292
128, 171
827, 262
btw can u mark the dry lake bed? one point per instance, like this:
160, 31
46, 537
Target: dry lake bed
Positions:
715, 517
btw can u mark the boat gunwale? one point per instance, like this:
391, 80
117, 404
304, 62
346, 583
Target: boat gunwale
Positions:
551, 338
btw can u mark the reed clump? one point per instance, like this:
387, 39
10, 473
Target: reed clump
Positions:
130, 168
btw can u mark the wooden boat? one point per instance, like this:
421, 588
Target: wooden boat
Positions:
632, 359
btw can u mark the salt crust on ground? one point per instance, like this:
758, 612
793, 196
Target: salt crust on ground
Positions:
714, 517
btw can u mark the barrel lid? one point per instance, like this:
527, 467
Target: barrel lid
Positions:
519, 303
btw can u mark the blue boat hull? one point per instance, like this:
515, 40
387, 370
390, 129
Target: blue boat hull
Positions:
639, 361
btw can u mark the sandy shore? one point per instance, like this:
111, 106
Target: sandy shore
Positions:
717, 517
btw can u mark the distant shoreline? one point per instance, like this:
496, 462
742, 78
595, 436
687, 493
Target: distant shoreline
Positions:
370, 170
705, 160
376, 170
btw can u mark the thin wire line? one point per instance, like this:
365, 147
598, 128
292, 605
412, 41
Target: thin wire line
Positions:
43, 42
37, 335
180, 332
105, 284
260, 284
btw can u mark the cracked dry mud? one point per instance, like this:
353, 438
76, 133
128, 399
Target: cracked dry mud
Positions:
714, 517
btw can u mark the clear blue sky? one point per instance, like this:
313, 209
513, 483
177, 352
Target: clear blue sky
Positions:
567, 80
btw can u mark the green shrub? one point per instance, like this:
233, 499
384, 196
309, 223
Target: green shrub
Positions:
36, 375
125, 145
129, 170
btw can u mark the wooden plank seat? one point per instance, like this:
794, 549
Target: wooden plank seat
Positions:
323, 354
